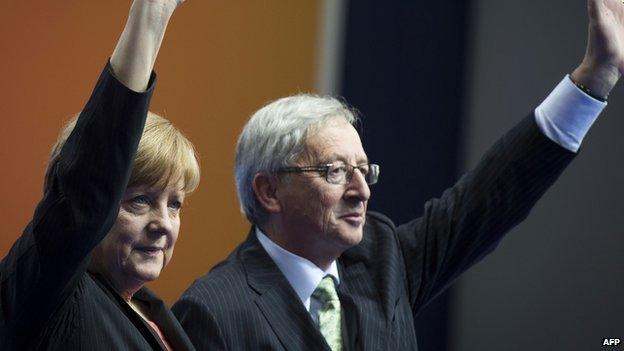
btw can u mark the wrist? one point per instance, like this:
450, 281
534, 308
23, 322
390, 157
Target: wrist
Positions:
133, 59
596, 80
154, 14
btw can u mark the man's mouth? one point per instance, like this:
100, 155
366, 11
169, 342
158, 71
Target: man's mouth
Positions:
353, 218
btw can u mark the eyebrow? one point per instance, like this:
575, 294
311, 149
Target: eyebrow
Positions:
151, 192
336, 157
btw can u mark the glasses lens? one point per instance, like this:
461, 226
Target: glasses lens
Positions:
337, 173
364, 169
372, 175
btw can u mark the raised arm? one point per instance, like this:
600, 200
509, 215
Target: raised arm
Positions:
603, 63
469, 219
84, 184
134, 56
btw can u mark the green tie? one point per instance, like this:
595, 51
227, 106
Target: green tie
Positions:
329, 314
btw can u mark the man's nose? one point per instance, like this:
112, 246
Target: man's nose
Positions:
358, 187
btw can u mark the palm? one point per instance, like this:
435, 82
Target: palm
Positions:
606, 35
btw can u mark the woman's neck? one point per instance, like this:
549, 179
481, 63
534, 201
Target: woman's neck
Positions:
123, 287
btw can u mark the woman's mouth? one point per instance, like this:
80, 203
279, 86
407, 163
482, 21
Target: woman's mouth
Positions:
150, 251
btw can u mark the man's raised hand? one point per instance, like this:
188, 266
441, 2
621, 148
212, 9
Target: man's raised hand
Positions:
603, 63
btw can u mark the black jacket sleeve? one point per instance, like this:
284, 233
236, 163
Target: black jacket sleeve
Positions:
470, 218
78, 208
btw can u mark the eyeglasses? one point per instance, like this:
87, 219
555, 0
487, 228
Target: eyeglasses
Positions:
339, 172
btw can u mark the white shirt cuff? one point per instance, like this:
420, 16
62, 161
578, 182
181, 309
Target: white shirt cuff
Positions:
567, 113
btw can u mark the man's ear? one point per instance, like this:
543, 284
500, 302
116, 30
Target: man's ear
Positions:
265, 188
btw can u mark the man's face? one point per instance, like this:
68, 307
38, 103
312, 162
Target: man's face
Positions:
319, 215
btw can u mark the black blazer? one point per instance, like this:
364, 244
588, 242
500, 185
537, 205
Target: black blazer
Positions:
48, 300
246, 303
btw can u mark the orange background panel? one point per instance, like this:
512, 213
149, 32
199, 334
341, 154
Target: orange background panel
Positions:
220, 61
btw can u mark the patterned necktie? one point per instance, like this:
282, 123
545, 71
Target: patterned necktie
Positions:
329, 313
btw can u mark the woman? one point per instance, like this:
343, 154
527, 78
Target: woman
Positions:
109, 217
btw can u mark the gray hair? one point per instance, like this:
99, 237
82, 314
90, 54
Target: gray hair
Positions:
274, 137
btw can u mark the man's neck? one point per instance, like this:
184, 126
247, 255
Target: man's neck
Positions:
311, 250
303, 275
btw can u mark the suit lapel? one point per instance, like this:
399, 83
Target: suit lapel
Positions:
166, 321
366, 318
146, 331
277, 300
350, 313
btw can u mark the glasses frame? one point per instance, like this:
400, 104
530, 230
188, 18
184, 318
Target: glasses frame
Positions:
373, 169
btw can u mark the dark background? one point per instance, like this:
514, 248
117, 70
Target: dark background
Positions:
437, 83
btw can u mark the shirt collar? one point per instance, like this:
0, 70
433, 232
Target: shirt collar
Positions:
303, 275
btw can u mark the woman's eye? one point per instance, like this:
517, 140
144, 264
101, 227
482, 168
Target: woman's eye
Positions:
140, 200
176, 205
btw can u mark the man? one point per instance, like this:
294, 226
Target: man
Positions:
318, 272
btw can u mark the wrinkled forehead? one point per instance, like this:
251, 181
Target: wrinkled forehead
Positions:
159, 179
334, 140
175, 185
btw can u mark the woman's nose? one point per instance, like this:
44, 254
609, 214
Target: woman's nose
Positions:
160, 221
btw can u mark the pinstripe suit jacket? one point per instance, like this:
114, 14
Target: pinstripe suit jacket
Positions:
245, 303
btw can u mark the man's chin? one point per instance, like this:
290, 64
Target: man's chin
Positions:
350, 238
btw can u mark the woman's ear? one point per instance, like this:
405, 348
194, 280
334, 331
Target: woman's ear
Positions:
265, 188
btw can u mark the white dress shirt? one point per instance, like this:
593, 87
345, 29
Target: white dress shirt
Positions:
565, 116
303, 275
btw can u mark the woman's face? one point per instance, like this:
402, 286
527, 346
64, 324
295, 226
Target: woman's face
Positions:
140, 243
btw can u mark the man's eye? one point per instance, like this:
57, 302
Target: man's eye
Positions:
338, 169
364, 169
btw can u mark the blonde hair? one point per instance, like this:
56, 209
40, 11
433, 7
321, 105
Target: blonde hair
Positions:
164, 155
